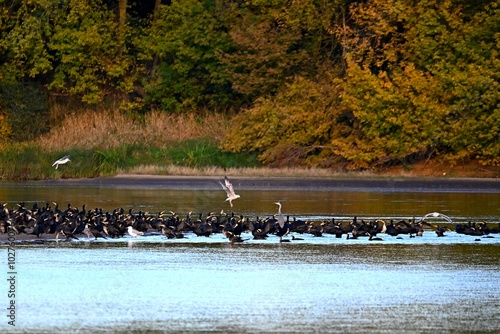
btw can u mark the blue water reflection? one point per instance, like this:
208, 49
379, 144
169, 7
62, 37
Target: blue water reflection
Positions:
199, 284
258, 288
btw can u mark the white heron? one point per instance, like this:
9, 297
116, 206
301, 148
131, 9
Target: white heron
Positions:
279, 216
61, 161
282, 231
228, 187
436, 215
133, 232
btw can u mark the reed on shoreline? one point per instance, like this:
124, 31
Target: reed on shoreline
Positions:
242, 171
106, 129
106, 143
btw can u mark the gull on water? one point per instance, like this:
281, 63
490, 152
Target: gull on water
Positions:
61, 161
228, 187
436, 215
133, 232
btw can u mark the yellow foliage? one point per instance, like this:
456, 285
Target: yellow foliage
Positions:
295, 122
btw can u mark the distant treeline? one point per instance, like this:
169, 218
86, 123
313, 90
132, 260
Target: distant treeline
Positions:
311, 82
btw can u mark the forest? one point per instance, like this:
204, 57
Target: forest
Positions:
315, 83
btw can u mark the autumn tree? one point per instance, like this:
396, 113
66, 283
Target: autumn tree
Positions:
316, 82
277, 40
291, 128
286, 58
422, 80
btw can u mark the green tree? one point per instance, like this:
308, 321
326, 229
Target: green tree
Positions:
91, 57
23, 44
184, 38
25, 112
73, 47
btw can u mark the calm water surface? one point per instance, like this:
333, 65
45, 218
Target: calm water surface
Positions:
385, 202
328, 285
258, 288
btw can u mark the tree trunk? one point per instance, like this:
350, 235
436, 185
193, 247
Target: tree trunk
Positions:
156, 14
122, 18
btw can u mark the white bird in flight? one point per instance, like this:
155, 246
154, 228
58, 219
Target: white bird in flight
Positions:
61, 161
228, 187
435, 215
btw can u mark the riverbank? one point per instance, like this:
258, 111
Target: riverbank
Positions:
430, 168
187, 153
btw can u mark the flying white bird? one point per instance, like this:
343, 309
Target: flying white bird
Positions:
61, 161
228, 187
133, 232
436, 215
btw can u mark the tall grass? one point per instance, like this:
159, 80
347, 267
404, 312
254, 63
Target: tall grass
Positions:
106, 129
104, 143
241, 171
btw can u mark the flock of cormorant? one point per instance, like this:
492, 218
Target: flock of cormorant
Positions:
73, 223
95, 223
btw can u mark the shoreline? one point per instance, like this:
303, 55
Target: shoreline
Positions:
394, 184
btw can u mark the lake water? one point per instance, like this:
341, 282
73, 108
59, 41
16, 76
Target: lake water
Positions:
310, 200
323, 285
